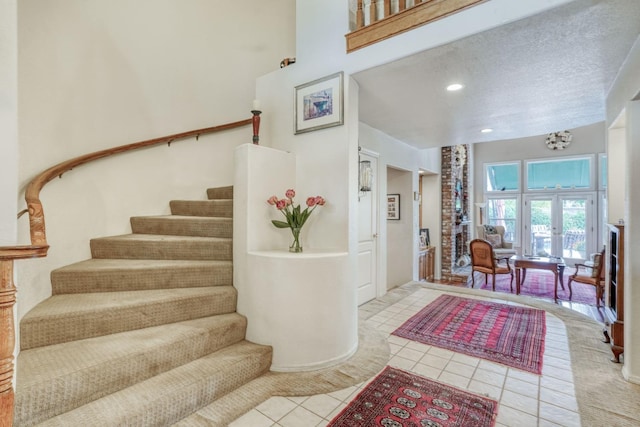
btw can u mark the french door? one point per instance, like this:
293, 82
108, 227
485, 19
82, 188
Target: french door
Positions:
560, 224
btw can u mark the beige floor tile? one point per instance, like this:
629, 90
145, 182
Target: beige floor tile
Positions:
276, 407
524, 376
321, 404
520, 402
511, 417
402, 363
410, 354
461, 369
427, 371
252, 418
557, 398
559, 415
300, 417
434, 361
556, 384
454, 379
522, 387
489, 377
485, 389
467, 360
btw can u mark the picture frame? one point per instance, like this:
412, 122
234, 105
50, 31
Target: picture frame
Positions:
393, 207
425, 240
319, 104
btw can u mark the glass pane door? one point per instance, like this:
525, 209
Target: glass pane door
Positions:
560, 225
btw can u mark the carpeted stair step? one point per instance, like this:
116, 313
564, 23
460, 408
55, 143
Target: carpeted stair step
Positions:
62, 377
220, 193
64, 318
112, 275
173, 395
212, 208
181, 225
151, 246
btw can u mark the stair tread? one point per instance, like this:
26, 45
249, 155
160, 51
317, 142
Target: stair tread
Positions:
42, 364
64, 305
175, 394
188, 218
142, 264
160, 238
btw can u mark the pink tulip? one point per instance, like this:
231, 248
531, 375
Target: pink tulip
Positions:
272, 200
311, 202
320, 200
287, 202
290, 194
281, 204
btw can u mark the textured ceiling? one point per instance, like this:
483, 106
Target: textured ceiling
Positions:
542, 74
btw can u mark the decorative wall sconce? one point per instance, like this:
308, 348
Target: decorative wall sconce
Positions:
481, 206
365, 176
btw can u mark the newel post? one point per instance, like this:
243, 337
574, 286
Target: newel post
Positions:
7, 342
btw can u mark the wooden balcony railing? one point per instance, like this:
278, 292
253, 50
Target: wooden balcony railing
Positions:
39, 246
377, 20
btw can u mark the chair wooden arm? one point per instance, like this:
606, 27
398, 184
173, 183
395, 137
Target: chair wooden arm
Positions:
577, 266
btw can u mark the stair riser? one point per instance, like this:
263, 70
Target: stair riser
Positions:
209, 208
192, 387
83, 386
220, 193
43, 331
205, 250
137, 280
209, 227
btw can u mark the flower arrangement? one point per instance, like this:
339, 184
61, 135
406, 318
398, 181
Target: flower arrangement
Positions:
294, 215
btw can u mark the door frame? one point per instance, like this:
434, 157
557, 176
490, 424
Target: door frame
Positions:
375, 191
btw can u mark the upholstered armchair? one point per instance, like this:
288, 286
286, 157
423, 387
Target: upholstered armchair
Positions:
484, 260
590, 273
494, 234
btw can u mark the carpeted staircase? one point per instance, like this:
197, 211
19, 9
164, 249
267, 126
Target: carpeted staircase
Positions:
145, 332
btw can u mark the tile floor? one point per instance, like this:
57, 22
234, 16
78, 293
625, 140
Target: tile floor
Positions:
525, 399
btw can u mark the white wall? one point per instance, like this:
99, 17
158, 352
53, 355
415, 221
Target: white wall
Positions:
401, 241
8, 122
616, 155
432, 215
97, 74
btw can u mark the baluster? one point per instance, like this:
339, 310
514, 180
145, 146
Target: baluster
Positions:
359, 16
402, 5
7, 341
372, 11
387, 8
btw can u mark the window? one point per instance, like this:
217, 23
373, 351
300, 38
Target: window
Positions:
559, 174
504, 211
502, 177
603, 171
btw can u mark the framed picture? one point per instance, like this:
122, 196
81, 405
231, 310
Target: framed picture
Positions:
393, 206
319, 104
424, 238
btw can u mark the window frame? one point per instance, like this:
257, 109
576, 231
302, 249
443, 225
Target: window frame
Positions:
592, 173
485, 183
504, 195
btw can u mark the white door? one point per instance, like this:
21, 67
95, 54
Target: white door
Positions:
560, 225
367, 237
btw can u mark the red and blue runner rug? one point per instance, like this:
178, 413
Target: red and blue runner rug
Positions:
397, 398
501, 333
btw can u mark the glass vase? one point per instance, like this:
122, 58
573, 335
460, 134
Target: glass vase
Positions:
295, 245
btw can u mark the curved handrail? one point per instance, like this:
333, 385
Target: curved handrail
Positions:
39, 247
32, 193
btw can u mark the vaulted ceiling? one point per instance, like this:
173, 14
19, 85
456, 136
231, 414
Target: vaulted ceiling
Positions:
542, 74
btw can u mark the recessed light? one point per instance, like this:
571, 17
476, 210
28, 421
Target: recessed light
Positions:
487, 130
454, 87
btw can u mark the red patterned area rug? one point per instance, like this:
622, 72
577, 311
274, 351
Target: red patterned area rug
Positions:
397, 398
540, 284
501, 333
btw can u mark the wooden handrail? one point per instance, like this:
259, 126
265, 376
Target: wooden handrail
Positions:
39, 246
405, 19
